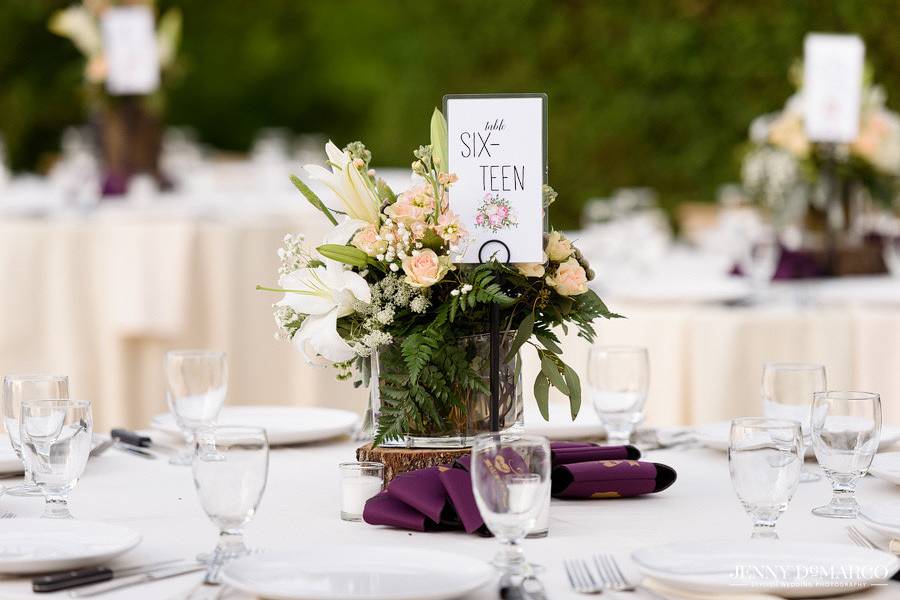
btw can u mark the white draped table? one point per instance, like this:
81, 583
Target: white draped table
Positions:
300, 507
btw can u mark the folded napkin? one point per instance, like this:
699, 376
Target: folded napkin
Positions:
441, 498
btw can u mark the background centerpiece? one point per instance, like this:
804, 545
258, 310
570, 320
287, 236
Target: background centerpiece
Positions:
387, 302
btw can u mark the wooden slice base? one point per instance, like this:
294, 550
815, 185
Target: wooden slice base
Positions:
401, 460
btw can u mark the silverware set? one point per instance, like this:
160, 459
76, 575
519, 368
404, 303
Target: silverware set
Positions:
601, 573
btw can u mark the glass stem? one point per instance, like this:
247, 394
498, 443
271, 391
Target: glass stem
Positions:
56, 506
512, 557
231, 544
843, 494
764, 530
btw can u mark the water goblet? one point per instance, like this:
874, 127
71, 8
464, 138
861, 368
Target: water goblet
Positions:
230, 467
196, 384
846, 427
56, 441
23, 388
764, 458
787, 393
618, 378
510, 480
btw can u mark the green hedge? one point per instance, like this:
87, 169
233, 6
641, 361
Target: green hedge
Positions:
642, 92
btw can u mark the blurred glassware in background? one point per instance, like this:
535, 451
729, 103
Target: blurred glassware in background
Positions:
76, 174
230, 468
182, 157
764, 458
846, 428
610, 227
18, 389
892, 255
618, 380
56, 441
758, 259
307, 149
196, 385
270, 155
787, 393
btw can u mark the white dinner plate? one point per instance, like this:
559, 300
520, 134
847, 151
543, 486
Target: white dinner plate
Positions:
30, 546
283, 424
357, 573
778, 567
883, 517
887, 466
715, 435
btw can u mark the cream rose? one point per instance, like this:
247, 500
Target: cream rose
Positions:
569, 280
368, 240
558, 247
425, 269
787, 132
532, 269
879, 141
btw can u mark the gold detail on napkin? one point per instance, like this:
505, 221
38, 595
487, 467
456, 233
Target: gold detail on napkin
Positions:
605, 495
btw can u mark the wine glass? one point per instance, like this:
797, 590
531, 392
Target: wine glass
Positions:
618, 378
787, 393
846, 427
196, 384
23, 388
759, 261
56, 441
230, 467
765, 457
510, 480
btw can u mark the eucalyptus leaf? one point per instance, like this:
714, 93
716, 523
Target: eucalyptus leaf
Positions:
345, 254
526, 327
313, 198
542, 395
548, 343
574, 383
549, 368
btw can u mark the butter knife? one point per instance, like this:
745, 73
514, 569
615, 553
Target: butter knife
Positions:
110, 586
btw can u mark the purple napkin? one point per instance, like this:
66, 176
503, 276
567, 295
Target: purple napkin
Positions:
422, 490
386, 510
610, 479
565, 453
458, 484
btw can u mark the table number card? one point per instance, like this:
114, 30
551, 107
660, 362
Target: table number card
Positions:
129, 41
832, 86
498, 149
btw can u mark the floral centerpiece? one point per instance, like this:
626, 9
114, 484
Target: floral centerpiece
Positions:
793, 176
383, 299
129, 128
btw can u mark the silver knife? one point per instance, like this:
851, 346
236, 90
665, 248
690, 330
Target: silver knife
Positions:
103, 588
133, 450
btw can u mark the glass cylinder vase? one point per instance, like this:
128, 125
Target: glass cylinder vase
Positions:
448, 403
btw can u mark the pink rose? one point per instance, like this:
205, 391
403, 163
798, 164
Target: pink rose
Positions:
368, 240
502, 211
425, 268
479, 219
569, 279
495, 220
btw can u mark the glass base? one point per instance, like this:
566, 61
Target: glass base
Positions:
350, 517
837, 511
23, 490
808, 475
182, 459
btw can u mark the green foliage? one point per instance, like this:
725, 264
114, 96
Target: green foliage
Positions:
345, 254
640, 93
313, 198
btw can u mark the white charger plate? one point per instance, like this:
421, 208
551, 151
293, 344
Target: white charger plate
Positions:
883, 517
357, 573
283, 424
886, 466
777, 567
30, 546
716, 436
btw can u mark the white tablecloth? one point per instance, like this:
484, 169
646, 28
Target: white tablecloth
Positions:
301, 506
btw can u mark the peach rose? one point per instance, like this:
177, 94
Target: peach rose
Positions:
569, 280
412, 205
425, 268
558, 247
787, 132
368, 240
532, 269
879, 141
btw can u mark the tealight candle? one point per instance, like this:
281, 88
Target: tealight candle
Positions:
359, 482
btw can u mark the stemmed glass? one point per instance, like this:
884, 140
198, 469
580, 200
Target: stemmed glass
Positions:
618, 378
787, 393
846, 427
764, 458
56, 441
230, 466
196, 384
510, 480
23, 388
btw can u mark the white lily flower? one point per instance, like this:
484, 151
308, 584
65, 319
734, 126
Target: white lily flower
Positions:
324, 294
343, 232
347, 183
77, 24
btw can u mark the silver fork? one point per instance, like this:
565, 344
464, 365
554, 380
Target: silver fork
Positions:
8, 515
859, 538
612, 578
580, 578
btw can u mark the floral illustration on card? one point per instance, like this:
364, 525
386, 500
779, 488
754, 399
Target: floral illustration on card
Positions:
495, 213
